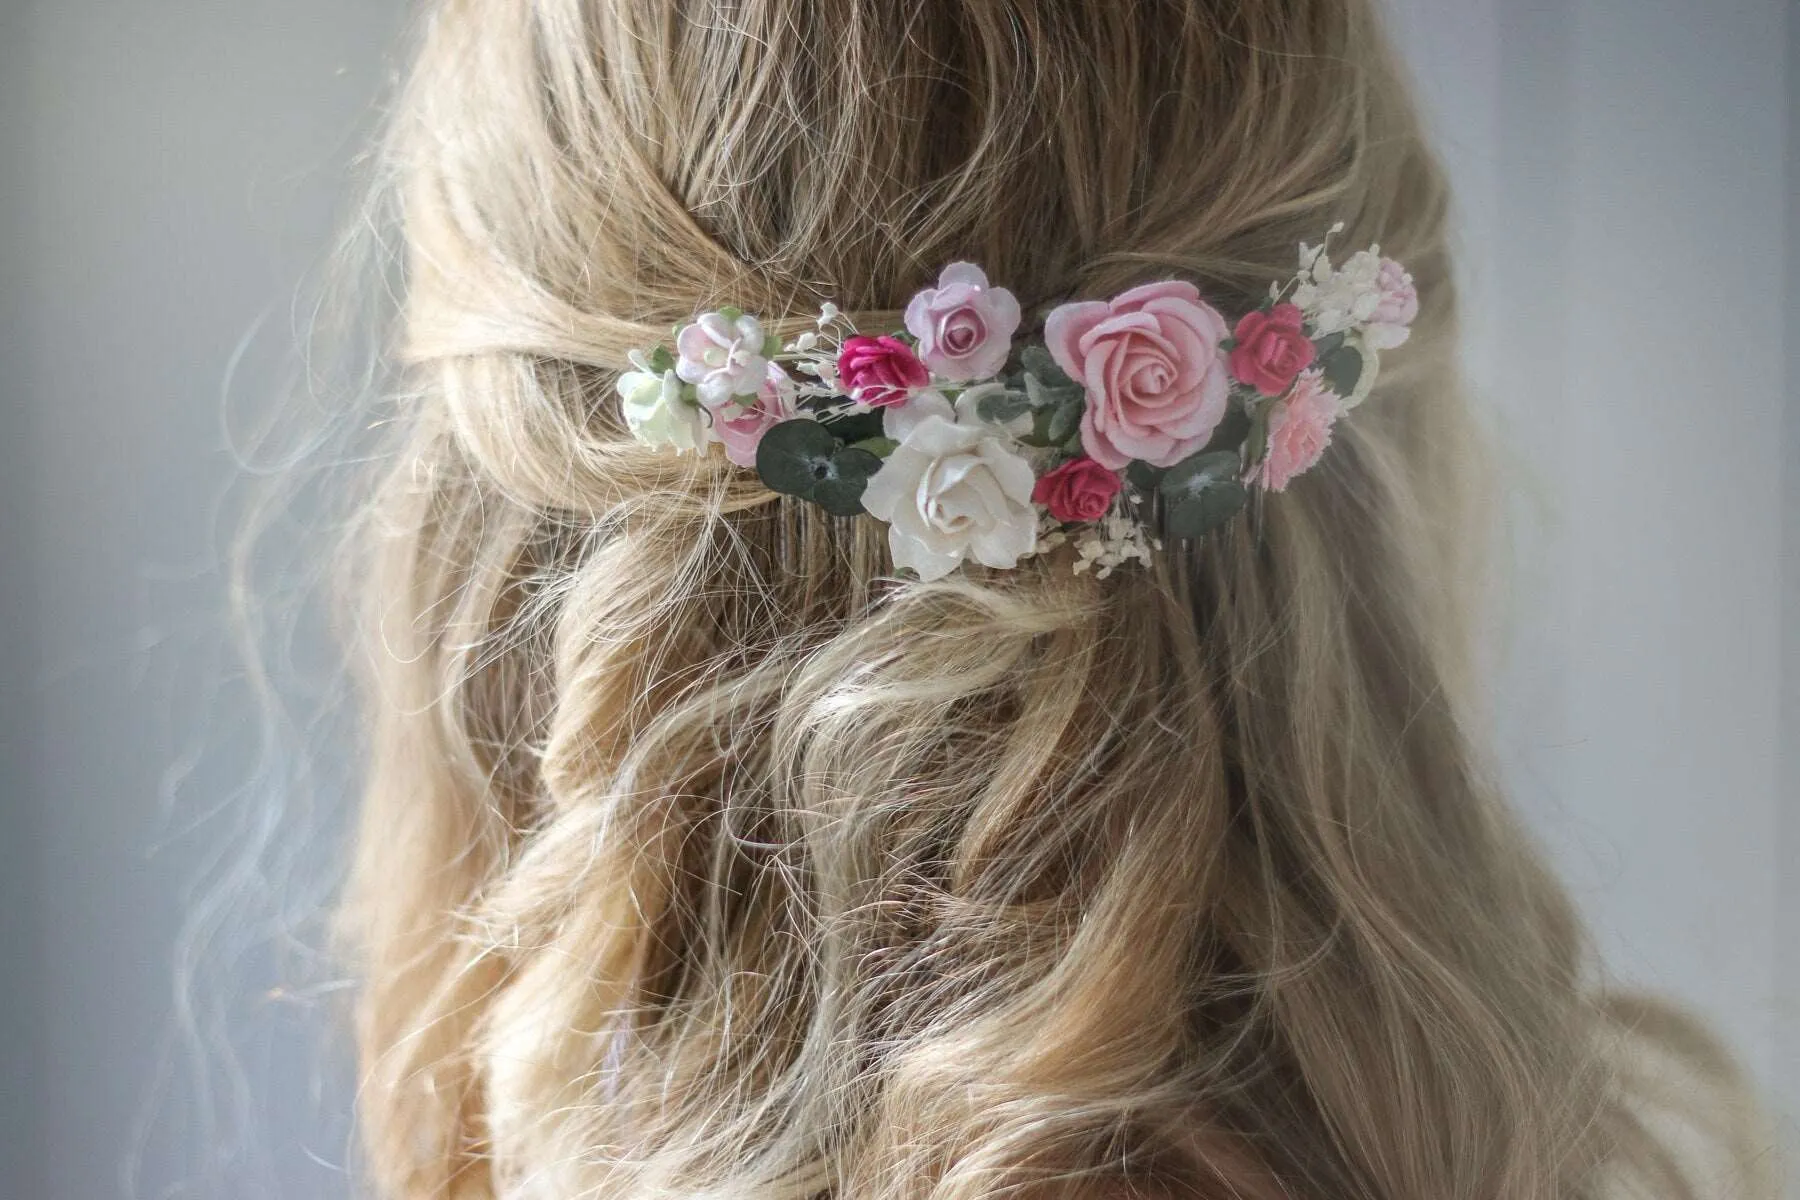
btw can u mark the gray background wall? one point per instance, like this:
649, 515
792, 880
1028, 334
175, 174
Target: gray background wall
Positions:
170, 171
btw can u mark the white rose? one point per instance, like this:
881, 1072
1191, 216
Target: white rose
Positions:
952, 489
657, 412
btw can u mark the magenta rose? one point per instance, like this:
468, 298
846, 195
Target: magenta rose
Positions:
1271, 349
740, 425
880, 370
1149, 359
965, 328
1299, 430
1079, 490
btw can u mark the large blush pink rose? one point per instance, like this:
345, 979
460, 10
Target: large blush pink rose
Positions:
1299, 430
965, 328
1272, 348
1149, 358
740, 425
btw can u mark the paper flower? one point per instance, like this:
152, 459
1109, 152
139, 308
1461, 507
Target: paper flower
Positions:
965, 327
1149, 358
952, 489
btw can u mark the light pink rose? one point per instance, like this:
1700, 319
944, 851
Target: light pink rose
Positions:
1399, 305
1079, 490
1149, 358
965, 328
1299, 430
1272, 348
721, 356
740, 425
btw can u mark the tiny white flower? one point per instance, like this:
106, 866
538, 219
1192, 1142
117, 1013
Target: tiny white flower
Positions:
722, 357
1338, 298
952, 489
658, 412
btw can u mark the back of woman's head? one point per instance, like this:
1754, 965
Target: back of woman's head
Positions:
703, 856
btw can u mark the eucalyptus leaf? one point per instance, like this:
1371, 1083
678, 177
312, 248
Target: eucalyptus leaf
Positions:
854, 427
1231, 430
1199, 513
1343, 369
1143, 475
794, 456
853, 462
841, 497
1199, 473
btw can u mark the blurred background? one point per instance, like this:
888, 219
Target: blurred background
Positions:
172, 178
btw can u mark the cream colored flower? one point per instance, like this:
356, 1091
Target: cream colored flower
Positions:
952, 489
658, 411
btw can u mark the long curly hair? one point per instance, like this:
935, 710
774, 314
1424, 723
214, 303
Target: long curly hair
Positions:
702, 857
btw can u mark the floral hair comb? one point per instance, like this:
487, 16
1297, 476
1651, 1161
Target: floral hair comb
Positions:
973, 443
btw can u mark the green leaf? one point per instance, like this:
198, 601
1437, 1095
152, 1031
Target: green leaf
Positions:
998, 407
1197, 472
795, 456
1142, 475
1051, 395
731, 312
661, 361
880, 447
853, 462
1199, 513
1064, 422
771, 346
1328, 345
1231, 431
1039, 361
840, 497
1342, 368
854, 427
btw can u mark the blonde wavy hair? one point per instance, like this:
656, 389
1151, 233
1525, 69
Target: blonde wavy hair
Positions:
701, 857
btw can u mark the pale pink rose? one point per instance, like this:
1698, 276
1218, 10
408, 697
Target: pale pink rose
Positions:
740, 425
1399, 305
1149, 358
1299, 430
721, 356
965, 328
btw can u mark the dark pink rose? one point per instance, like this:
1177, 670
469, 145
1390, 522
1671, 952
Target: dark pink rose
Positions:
1079, 490
880, 370
1271, 349
1149, 359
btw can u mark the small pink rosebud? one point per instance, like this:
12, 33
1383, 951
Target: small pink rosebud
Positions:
1271, 349
880, 370
1079, 490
